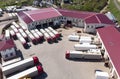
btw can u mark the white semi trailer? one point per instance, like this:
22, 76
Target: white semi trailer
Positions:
20, 66
84, 46
31, 72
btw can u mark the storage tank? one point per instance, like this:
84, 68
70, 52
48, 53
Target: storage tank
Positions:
73, 37
31, 72
47, 37
84, 46
20, 66
74, 54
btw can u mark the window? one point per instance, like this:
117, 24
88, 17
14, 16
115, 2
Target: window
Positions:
6, 56
11, 54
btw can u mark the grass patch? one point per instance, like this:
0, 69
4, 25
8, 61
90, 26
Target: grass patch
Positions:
112, 8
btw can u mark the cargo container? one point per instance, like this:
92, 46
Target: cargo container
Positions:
12, 34
50, 28
38, 39
14, 28
31, 72
101, 75
47, 37
85, 39
40, 34
74, 54
84, 46
73, 37
42, 31
16, 25
22, 26
20, 66
32, 38
7, 34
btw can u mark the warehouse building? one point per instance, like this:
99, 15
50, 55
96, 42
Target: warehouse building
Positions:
55, 17
110, 38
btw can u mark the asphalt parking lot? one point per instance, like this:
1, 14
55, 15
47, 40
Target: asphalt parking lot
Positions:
56, 66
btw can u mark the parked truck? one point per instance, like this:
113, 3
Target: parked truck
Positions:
7, 34
38, 39
31, 72
16, 25
12, 34
22, 26
20, 66
74, 54
47, 37
40, 34
14, 28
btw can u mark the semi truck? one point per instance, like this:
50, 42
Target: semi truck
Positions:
12, 34
83, 55
20, 66
40, 34
31, 72
47, 37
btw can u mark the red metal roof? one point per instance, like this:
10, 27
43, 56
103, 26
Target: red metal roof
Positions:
75, 14
6, 44
89, 17
40, 14
25, 17
111, 39
98, 18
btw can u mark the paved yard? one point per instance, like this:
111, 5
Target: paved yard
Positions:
52, 57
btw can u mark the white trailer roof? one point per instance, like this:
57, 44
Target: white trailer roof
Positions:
42, 30
47, 30
21, 30
22, 40
85, 45
24, 73
46, 35
18, 35
27, 32
51, 34
7, 33
31, 36
15, 24
50, 28
23, 27
38, 32
12, 32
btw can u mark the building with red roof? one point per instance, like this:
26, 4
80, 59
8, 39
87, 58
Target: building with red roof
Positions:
110, 38
50, 17
7, 49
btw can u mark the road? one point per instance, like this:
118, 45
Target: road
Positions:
116, 4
